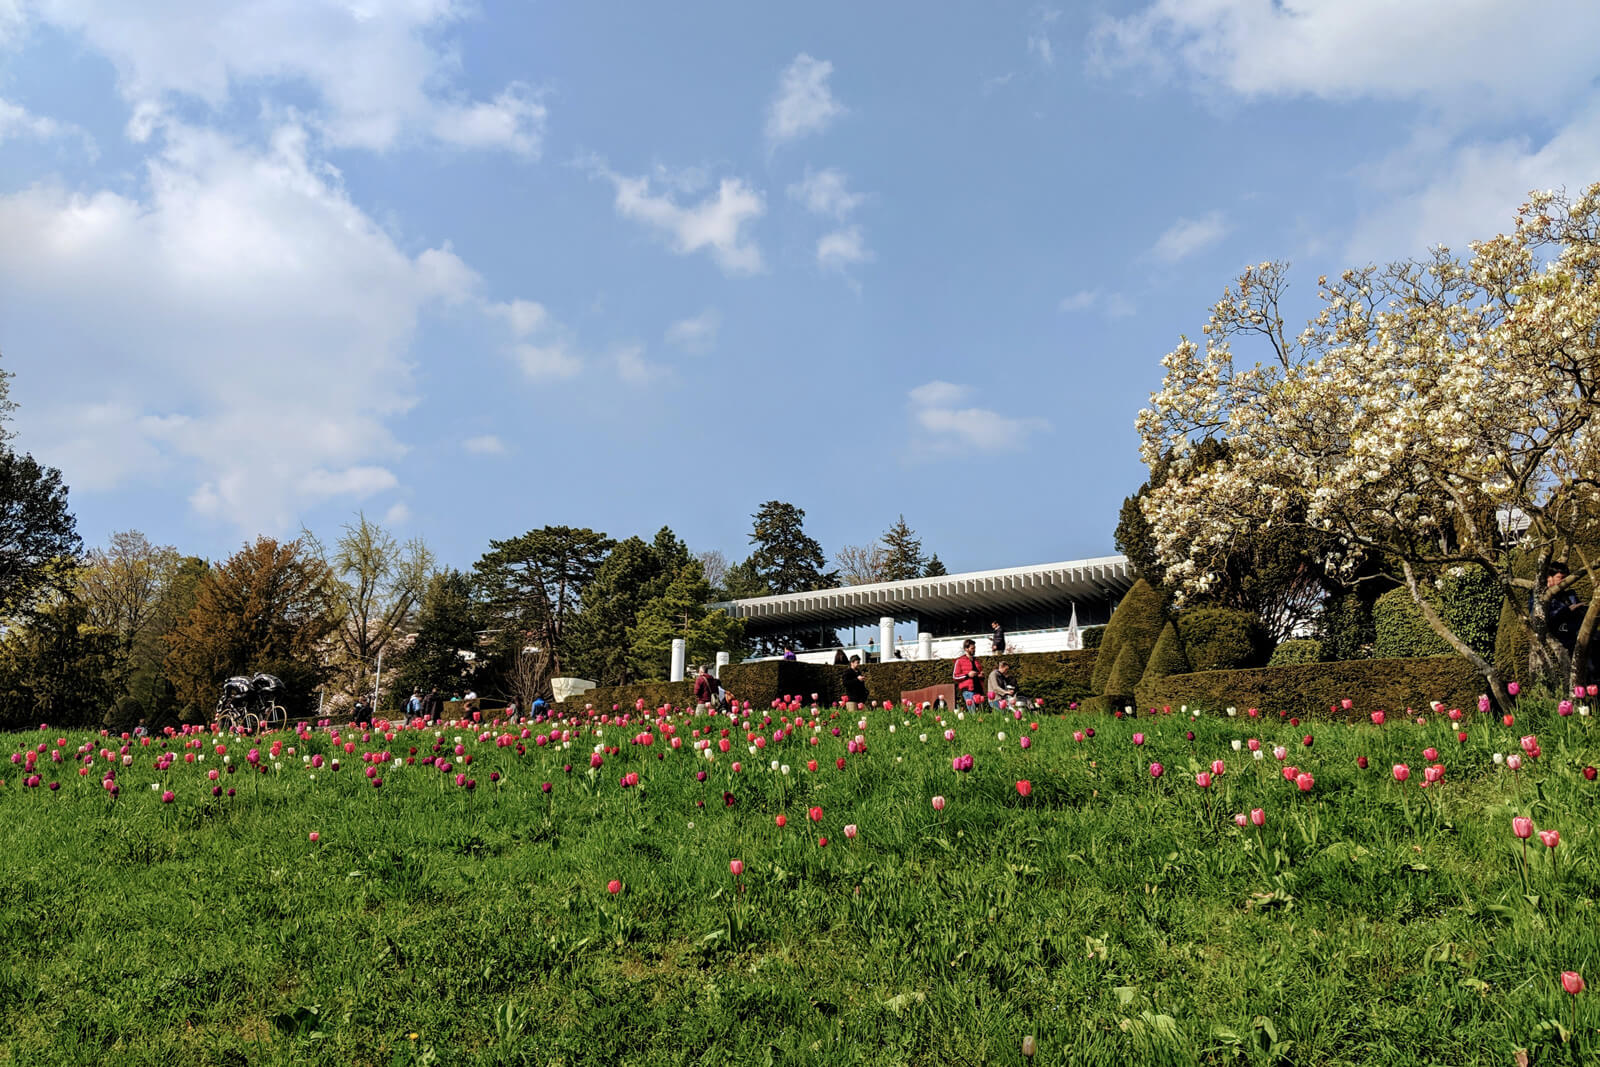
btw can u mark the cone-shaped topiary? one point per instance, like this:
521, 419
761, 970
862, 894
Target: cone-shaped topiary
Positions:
1511, 646
1219, 639
1137, 623
1125, 675
1167, 657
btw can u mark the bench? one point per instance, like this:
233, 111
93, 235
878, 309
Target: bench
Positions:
932, 695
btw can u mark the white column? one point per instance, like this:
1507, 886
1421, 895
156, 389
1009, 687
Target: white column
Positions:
679, 654
924, 646
886, 638
722, 661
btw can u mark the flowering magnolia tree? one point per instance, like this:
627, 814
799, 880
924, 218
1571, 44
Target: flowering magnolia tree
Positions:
1428, 412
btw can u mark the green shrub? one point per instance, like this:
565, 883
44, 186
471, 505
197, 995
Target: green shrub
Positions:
1135, 624
1316, 689
1167, 657
1471, 603
1123, 681
1092, 636
1220, 638
1511, 645
1348, 630
123, 715
1295, 651
1400, 629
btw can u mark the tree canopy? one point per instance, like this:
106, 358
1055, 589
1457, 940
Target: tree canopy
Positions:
786, 560
1428, 410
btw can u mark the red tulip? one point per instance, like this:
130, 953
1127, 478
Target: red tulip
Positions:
1572, 982
613, 886
1303, 781
1401, 772
1551, 838
1203, 779
781, 820
736, 867
1522, 826
815, 814
1025, 787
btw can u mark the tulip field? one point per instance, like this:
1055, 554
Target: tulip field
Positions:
810, 885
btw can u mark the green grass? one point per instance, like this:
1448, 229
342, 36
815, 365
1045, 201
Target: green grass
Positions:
1116, 918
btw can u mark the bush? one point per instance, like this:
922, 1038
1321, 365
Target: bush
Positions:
1167, 657
1220, 638
1401, 631
1092, 636
123, 715
1471, 603
1316, 689
1349, 632
1123, 680
1135, 624
1511, 645
1296, 651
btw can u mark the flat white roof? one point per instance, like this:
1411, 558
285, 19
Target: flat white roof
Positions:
1102, 580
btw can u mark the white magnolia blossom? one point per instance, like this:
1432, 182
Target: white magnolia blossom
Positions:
1424, 406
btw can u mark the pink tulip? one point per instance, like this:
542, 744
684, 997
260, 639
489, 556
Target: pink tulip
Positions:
1530, 743
1203, 779
1138, 739
1258, 817
1514, 688
1077, 735
850, 830
1572, 982
1514, 761
1377, 718
1303, 781
1430, 754
1241, 820
1522, 826
1254, 744
938, 803
736, 867
1551, 838
1218, 767
1401, 772
1280, 753
1347, 704
1155, 770
314, 837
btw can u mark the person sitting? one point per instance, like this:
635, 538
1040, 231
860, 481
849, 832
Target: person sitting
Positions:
968, 672
854, 685
1002, 686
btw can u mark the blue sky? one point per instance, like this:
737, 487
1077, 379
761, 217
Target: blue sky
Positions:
477, 268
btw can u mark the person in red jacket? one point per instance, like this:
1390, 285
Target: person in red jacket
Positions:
968, 673
705, 689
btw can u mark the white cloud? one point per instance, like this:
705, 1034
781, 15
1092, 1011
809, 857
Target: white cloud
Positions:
553, 360
1469, 191
697, 334
804, 104
399, 514
1449, 51
634, 369
378, 71
826, 192
17, 121
487, 444
1111, 305
717, 224
941, 409
1187, 236
239, 322
1039, 45
842, 248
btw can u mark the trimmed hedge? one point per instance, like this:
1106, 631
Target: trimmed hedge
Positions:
1468, 602
1401, 631
1058, 677
1219, 639
1167, 657
1092, 636
1511, 645
1295, 651
1316, 689
1135, 624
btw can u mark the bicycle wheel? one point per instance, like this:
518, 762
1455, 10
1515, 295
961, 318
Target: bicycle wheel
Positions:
225, 722
274, 718
252, 722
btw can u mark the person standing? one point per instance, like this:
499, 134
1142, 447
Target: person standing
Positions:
414, 705
705, 689
997, 641
968, 672
854, 684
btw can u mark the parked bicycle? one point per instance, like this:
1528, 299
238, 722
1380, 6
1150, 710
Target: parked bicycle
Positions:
249, 705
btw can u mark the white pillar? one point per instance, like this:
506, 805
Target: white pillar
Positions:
924, 646
722, 661
886, 638
679, 654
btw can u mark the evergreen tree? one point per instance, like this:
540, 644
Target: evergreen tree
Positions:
680, 611
786, 559
743, 581
447, 623
902, 553
597, 641
934, 568
36, 531
532, 586
57, 667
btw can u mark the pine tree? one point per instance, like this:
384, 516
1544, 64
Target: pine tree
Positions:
786, 559
902, 552
680, 611
935, 567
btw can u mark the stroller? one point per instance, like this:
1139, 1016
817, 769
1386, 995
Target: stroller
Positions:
250, 704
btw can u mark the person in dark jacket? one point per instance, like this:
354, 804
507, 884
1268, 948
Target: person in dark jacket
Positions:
997, 643
854, 684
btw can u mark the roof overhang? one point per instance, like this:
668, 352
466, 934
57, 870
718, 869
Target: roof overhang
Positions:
1102, 580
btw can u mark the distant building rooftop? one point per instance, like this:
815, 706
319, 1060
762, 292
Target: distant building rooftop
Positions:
1091, 586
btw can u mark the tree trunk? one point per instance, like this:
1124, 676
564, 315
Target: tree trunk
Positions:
1485, 667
